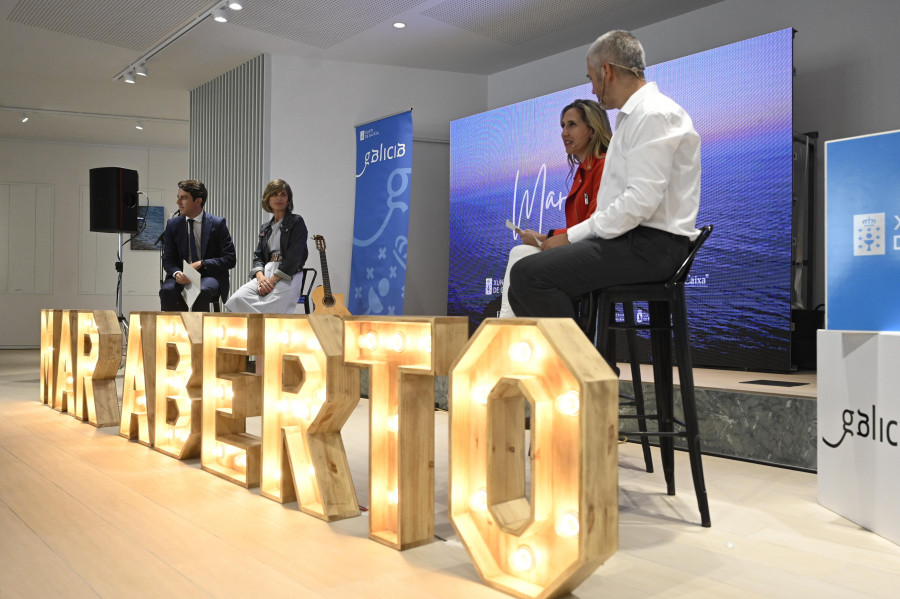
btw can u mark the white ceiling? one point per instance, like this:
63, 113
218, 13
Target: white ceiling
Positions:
62, 55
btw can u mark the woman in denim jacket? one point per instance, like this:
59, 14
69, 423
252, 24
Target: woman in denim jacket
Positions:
281, 252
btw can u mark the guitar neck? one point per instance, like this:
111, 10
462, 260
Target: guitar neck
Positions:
326, 281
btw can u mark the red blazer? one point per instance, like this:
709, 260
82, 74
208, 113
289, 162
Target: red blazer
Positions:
582, 199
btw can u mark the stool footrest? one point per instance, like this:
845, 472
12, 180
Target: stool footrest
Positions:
653, 434
637, 327
650, 417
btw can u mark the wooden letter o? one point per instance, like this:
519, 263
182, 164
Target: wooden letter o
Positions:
545, 542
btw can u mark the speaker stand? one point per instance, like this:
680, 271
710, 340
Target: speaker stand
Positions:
123, 322
160, 241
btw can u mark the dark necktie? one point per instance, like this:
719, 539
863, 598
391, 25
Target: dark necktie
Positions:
195, 255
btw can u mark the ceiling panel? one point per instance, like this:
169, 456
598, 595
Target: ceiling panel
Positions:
320, 23
515, 22
134, 24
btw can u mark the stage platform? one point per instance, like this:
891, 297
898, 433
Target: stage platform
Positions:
761, 417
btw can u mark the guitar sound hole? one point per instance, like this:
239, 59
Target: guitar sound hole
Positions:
328, 301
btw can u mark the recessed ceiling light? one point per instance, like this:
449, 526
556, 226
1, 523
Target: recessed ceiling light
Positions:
399, 25
24, 118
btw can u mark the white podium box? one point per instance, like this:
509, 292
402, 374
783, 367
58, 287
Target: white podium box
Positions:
859, 428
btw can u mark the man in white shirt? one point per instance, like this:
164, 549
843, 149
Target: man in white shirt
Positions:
648, 198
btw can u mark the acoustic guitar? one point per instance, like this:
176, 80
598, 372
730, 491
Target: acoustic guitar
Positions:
325, 302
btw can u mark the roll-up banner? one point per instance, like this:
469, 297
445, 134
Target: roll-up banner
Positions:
381, 220
862, 225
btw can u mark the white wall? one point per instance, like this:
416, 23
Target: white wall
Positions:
65, 167
845, 55
428, 260
315, 106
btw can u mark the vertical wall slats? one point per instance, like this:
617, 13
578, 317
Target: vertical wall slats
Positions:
228, 152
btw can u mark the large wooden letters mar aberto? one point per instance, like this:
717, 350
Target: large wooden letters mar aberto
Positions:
537, 544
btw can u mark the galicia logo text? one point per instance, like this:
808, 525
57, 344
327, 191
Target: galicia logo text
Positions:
380, 154
866, 426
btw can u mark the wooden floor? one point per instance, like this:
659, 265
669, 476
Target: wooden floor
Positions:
85, 513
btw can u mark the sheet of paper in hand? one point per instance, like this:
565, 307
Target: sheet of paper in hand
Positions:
191, 290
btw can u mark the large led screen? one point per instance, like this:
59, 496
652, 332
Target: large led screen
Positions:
509, 163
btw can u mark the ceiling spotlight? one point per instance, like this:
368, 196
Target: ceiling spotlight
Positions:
24, 118
129, 77
399, 25
141, 70
235, 5
139, 126
219, 16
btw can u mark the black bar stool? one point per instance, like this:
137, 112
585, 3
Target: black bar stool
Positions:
309, 280
668, 318
216, 304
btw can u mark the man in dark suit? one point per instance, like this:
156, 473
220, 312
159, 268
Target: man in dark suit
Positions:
208, 248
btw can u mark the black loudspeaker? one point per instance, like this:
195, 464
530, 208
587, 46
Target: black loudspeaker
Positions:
114, 200
804, 327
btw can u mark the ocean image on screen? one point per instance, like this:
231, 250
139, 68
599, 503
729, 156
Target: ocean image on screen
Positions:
509, 163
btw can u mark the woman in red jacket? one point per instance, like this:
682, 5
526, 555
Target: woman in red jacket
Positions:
585, 136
